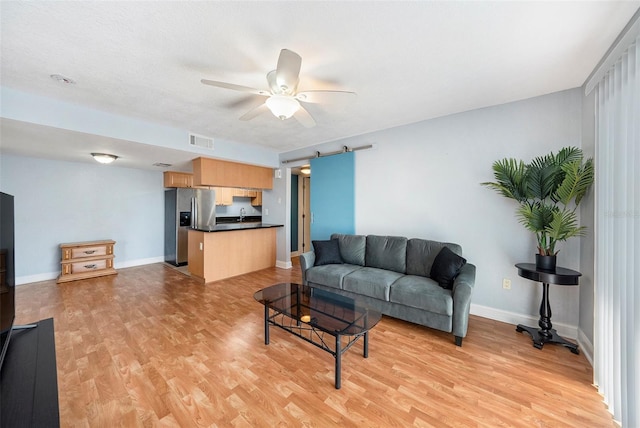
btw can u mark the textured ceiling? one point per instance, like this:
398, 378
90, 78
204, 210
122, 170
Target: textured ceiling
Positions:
407, 61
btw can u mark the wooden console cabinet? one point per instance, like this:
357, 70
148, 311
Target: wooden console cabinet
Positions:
82, 260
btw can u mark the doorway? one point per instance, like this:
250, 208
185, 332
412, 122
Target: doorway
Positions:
301, 213
304, 198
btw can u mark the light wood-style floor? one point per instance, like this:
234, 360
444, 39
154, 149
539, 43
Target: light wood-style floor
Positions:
152, 347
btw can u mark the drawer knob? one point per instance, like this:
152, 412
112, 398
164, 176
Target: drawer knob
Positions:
90, 266
90, 251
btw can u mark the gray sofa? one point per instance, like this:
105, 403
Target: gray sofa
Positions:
392, 274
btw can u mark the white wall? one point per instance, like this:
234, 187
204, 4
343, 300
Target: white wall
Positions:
423, 180
57, 202
276, 209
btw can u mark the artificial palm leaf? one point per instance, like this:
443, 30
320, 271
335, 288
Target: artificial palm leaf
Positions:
543, 189
568, 154
541, 181
535, 217
577, 181
564, 226
510, 179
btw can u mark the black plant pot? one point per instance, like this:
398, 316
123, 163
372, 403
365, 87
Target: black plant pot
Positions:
547, 263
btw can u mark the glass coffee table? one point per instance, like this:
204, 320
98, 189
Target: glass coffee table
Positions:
318, 316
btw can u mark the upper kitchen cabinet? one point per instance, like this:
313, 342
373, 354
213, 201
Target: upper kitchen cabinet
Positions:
214, 172
256, 200
178, 179
224, 195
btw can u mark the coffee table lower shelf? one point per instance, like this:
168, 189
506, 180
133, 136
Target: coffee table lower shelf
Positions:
315, 337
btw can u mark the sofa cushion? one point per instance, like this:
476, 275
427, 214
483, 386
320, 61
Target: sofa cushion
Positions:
330, 275
352, 248
386, 252
446, 267
370, 282
422, 293
327, 252
421, 253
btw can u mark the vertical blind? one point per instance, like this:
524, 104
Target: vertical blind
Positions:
617, 224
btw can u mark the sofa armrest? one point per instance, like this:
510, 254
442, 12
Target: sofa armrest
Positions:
307, 260
462, 290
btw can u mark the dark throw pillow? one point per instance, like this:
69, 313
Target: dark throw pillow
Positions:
446, 267
327, 252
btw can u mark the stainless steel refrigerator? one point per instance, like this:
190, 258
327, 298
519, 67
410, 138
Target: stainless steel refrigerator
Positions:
203, 209
185, 208
177, 219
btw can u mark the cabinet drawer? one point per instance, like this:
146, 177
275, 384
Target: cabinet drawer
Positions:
77, 253
90, 266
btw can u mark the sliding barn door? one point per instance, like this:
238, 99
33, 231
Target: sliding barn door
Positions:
332, 195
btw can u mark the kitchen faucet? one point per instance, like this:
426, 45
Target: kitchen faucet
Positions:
242, 214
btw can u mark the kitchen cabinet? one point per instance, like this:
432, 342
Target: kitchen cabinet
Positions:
178, 179
82, 260
219, 255
243, 193
256, 201
224, 195
214, 172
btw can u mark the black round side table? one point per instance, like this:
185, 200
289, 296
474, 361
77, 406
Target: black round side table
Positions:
560, 276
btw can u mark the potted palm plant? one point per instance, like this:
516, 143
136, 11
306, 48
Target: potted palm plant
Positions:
548, 191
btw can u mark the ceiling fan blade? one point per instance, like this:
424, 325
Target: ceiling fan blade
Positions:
326, 97
256, 111
288, 71
272, 81
226, 85
303, 116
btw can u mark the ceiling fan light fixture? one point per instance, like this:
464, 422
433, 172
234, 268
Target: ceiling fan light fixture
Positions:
104, 157
282, 106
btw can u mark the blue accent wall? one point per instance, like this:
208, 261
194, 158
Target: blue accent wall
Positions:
332, 195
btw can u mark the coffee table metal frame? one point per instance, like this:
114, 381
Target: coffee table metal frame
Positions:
313, 333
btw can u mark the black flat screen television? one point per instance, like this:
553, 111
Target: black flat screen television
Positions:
7, 272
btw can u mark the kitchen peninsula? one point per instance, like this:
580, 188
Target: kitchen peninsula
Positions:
231, 249
224, 250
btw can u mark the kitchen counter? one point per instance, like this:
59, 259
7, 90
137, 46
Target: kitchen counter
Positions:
246, 247
225, 227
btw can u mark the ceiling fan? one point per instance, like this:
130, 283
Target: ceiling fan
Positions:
283, 98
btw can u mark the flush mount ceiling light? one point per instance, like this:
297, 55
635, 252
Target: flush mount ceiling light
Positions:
305, 170
282, 106
104, 157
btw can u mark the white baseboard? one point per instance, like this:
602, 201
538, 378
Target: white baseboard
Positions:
138, 262
284, 265
585, 346
568, 331
28, 279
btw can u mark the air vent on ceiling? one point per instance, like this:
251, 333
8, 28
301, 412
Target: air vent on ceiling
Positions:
200, 141
162, 165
